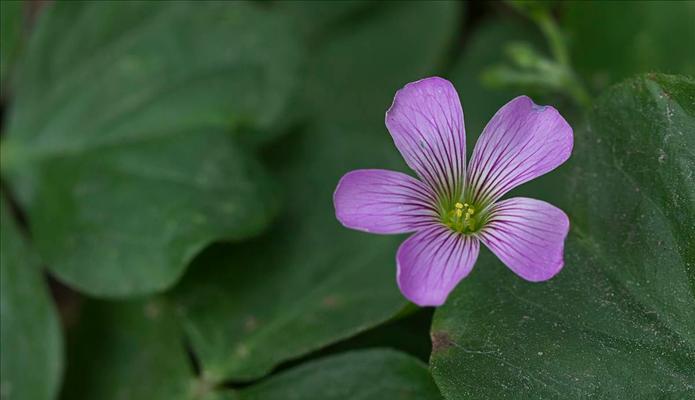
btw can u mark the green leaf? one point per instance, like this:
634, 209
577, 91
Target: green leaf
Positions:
10, 34
128, 350
314, 18
120, 142
619, 320
309, 281
133, 350
358, 66
31, 354
365, 375
611, 41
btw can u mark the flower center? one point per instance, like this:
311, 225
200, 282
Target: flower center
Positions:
463, 218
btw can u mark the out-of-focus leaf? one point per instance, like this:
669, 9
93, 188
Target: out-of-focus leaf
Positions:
358, 67
310, 282
31, 355
316, 17
11, 18
365, 375
130, 350
612, 40
619, 320
119, 142
138, 358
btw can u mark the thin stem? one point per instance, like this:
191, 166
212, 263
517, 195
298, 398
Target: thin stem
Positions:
553, 36
558, 48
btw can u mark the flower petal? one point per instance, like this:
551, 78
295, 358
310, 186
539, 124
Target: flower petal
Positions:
426, 123
521, 142
380, 201
528, 235
432, 262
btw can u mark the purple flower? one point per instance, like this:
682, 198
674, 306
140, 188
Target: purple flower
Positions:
453, 208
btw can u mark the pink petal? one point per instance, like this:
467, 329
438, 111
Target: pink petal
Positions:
528, 235
432, 262
380, 201
521, 142
426, 123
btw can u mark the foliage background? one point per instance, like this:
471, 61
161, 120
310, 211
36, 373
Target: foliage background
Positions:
168, 229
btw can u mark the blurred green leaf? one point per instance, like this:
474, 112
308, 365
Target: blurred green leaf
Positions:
119, 140
129, 350
357, 67
310, 282
612, 40
31, 355
317, 17
619, 320
364, 375
11, 18
134, 350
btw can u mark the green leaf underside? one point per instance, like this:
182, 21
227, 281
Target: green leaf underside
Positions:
365, 375
618, 321
31, 353
120, 141
309, 281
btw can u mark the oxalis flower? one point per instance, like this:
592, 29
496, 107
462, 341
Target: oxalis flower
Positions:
453, 208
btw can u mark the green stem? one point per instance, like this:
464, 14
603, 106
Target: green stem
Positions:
558, 48
553, 36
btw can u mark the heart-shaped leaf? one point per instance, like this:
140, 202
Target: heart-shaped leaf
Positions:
309, 281
619, 320
31, 348
120, 142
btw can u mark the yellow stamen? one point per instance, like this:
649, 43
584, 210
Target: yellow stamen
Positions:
462, 217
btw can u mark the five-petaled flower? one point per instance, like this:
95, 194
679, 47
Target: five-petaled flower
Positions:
452, 208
